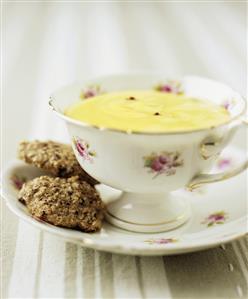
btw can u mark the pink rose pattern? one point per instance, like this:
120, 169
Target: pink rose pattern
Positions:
228, 104
171, 86
83, 149
163, 163
215, 218
18, 181
91, 91
224, 163
161, 241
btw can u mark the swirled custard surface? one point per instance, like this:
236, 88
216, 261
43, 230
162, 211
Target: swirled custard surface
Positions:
148, 111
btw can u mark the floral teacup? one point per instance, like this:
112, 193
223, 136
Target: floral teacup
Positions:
147, 167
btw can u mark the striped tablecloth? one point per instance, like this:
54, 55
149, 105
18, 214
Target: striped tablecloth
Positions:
47, 44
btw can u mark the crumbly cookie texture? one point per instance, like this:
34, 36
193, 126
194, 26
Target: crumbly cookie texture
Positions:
68, 202
55, 157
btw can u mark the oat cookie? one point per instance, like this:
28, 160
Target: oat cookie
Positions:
68, 202
55, 157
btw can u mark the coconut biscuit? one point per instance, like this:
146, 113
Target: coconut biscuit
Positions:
67, 202
54, 157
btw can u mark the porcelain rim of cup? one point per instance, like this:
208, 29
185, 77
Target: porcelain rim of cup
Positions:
133, 132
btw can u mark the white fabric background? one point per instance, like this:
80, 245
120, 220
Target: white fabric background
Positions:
47, 44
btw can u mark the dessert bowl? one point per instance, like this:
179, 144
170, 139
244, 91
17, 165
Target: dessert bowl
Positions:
148, 167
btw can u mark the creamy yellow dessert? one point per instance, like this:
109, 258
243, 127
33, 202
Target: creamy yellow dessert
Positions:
148, 111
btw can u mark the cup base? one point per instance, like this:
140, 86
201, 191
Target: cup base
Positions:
148, 213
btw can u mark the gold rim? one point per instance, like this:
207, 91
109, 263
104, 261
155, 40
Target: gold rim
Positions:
86, 125
147, 224
82, 124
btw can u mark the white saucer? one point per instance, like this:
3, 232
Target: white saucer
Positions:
227, 200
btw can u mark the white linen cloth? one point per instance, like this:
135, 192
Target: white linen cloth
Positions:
47, 44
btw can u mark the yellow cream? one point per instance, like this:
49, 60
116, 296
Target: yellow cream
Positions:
148, 111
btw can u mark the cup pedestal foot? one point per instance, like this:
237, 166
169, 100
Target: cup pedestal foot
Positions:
148, 213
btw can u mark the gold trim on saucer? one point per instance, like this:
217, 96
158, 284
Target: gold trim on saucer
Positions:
148, 224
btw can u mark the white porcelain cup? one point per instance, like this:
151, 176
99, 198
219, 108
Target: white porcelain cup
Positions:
148, 166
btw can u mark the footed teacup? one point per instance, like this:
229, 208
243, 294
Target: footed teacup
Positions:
147, 167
